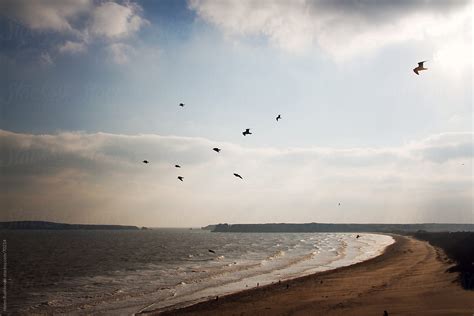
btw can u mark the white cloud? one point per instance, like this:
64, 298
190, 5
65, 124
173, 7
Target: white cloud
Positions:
342, 29
47, 15
112, 20
81, 23
119, 53
72, 47
81, 177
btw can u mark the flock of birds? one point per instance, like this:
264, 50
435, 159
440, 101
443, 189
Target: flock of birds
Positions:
247, 131
216, 149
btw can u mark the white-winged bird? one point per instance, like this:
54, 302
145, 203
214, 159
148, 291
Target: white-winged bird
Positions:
246, 132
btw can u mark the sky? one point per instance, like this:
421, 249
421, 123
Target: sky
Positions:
91, 88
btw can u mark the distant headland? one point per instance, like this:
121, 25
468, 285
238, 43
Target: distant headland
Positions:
323, 227
62, 226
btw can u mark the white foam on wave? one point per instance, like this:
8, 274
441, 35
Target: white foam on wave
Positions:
339, 251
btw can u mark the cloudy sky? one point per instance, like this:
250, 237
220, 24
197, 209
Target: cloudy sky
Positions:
92, 88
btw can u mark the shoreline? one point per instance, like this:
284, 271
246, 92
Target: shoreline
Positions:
409, 276
177, 308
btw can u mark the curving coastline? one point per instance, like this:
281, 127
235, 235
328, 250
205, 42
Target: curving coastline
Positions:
350, 253
409, 277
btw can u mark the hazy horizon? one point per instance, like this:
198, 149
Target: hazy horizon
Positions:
92, 89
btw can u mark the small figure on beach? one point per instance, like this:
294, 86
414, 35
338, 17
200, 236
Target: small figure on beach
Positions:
287, 286
258, 284
217, 297
358, 236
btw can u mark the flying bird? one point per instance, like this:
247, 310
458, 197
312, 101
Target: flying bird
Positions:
420, 67
278, 117
145, 161
339, 204
177, 166
180, 178
238, 176
246, 132
181, 104
210, 250
216, 149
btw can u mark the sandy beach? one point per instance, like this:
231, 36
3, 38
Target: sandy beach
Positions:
408, 279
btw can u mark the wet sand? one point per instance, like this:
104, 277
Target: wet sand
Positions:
410, 278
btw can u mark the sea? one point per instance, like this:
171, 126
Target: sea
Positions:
125, 272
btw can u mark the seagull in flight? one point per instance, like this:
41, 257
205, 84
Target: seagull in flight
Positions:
238, 176
216, 149
181, 178
177, 166
420, 67
278, 117
246, 132
181, 104
145, 161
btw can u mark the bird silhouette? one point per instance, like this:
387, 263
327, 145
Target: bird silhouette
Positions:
358, 236
238, 176
278, 117
181, 104
246, 132
180, 178
145, 161
216, 149
177, 166
339, 204
420, 67
210, 250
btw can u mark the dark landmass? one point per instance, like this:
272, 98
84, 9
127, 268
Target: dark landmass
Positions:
61, 226
209, 227
322, 227
459, 247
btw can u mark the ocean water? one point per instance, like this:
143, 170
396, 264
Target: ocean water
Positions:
124, 272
